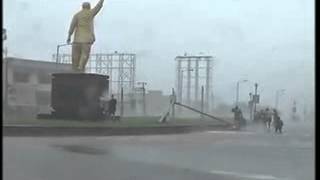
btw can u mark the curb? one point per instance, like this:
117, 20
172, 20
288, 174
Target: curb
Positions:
27, 131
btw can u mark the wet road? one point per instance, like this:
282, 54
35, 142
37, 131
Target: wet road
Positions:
251, 154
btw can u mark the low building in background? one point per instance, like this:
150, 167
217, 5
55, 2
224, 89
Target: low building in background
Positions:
27, 86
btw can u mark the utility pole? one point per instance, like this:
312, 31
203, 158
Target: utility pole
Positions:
179, 82
196, 76
212, 101
202, 99
237, 95
121, 103
181, 85
189, 83
173, 103
208, 83
255, 99
250, 105
277, 97
143, 96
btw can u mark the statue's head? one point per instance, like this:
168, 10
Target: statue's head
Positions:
86, 5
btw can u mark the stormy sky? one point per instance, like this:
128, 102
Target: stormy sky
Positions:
270, 42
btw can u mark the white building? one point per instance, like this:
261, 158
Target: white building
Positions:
27, 86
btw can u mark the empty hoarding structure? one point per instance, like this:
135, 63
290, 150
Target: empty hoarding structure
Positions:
120, 67
198, 70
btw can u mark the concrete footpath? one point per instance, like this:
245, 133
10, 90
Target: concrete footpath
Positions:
106, 131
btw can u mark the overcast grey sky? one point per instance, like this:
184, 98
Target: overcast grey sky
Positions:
267, 41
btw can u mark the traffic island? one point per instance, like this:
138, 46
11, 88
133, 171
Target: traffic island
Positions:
128, 126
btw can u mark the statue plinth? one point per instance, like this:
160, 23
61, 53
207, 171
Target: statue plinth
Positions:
78, 95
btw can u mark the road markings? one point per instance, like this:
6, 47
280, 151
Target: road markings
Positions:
230, 132
248, 176
103, 137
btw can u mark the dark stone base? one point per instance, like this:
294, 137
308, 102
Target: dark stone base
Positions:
77, 95
53, 116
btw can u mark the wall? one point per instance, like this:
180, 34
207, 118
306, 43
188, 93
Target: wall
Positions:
27, 86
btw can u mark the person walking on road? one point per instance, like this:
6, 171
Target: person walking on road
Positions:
277, 122
268, 118
112, 108
237, 116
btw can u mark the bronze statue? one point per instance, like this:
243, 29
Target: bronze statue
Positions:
82, 26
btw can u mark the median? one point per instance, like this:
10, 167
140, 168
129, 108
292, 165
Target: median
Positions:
126, 126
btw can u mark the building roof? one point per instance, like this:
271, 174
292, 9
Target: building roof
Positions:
35, 64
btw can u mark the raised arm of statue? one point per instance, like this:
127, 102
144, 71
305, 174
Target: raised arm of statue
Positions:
98, 7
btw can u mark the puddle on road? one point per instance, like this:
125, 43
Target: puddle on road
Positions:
81, 149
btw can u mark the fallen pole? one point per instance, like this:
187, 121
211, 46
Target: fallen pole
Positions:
208, 115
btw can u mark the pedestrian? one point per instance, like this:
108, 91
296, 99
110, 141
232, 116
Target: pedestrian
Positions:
268, 118
112, 108
237, 116
83, 28
277, 122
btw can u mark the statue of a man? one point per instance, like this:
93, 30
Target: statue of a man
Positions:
83, 28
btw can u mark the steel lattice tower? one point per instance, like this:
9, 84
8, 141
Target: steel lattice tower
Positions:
120, 67
192, 72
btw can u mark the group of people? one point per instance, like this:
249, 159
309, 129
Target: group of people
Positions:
268, 117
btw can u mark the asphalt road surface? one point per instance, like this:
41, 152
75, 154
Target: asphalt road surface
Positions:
250, 154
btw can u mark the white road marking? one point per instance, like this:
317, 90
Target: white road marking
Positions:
230, 132
248, 176
103, 137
